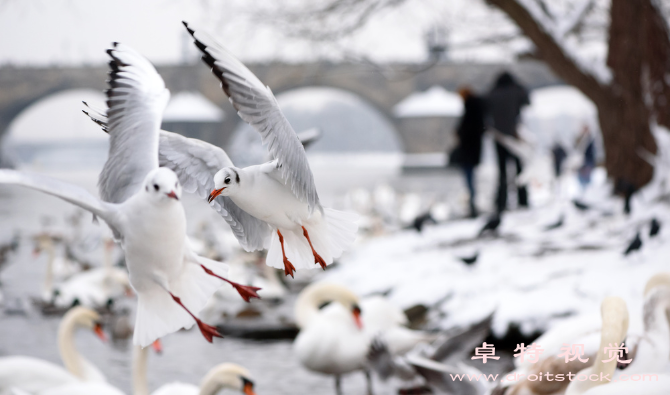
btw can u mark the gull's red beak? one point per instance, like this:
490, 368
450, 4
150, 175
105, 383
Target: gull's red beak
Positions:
173, 195
214, 194
157, 346
357, 317
249, 389
98, 332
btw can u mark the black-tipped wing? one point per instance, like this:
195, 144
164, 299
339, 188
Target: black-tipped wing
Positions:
256, 105
136, 99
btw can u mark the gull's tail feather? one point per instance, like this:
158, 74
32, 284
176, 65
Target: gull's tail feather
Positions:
158, 314
330, 238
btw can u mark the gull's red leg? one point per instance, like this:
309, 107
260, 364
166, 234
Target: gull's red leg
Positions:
288, 266
246, 291
208, 331
317, 257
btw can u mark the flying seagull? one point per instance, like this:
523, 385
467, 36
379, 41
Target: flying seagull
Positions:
274, 205
141, 204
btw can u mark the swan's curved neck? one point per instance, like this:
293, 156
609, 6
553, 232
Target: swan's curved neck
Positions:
656, 312
140, 355
210, 387
74, 362
614, 330
309, 301
219, 377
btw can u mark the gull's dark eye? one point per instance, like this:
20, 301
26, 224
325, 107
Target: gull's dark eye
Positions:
156, 187
227, 180
176, 183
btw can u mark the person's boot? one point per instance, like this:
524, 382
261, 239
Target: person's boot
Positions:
473, 210
522, 194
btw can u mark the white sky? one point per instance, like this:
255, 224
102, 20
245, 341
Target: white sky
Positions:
40, 32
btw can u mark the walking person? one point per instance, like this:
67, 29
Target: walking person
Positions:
470, 130
504, 104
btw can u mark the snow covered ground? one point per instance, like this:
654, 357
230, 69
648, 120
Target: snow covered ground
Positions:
530, 276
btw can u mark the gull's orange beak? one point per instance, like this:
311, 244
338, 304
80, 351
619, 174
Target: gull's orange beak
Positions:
214, 194
249, 389
98, 332
173, 195
157, 346
357, 317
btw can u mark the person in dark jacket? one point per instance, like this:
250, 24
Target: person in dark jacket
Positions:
504, 104
470, 130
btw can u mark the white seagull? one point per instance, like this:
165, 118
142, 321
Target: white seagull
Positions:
141, 204
280, 195
274, 205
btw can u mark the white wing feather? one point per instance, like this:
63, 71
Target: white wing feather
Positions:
136, 100
195, 162
256, 105
68, 192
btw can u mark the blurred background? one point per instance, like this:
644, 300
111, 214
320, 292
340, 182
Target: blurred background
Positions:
505, 156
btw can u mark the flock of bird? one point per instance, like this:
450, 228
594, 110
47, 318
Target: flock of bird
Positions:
275, 207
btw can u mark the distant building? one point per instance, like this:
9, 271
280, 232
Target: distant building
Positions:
427, 122
193, 115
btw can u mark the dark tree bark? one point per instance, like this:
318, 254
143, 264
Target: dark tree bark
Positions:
639, 58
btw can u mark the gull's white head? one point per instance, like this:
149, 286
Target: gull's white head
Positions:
162, 185
226, 182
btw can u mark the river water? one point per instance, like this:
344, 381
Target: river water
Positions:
186, 357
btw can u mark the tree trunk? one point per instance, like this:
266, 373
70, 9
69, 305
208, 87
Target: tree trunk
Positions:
639, 56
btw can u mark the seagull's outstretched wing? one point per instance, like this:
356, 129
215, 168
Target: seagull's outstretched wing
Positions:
136, 99
445, 378
256, 104
68, 192
195, 163
458, 346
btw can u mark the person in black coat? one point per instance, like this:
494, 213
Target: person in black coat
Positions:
504, 103
470, 130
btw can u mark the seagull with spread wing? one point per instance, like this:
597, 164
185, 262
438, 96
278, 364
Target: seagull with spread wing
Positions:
141, 204
274, 205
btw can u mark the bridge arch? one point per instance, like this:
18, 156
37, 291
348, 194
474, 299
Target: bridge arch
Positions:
348, 123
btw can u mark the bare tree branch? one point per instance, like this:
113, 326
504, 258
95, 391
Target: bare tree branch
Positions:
551, 51
334, 20
574, 20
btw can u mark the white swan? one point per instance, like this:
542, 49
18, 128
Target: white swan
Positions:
331, 338
650, 348
33, 375
336, 330
225, 375
95, 287
614, 329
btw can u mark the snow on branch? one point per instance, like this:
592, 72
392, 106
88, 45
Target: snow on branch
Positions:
559, 29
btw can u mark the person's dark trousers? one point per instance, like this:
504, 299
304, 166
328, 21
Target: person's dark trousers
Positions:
468, 171
522, 194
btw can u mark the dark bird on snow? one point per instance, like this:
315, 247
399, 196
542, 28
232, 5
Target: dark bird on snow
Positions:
469, 260
634, 245
556, 224
581, 206
655, 227
422, 220
433, 365
491, 225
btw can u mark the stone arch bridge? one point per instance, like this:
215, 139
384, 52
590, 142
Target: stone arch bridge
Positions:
382, 86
